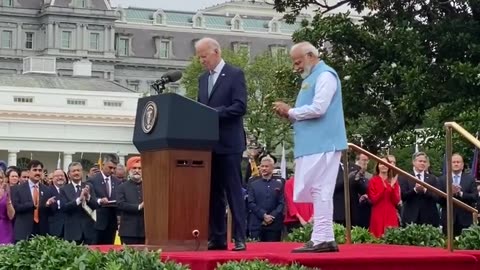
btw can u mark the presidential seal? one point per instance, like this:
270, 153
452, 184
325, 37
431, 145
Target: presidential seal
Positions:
149, 117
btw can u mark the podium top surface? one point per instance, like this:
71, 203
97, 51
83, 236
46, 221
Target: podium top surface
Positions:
172, 121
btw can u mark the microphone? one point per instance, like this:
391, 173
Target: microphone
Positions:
168, 77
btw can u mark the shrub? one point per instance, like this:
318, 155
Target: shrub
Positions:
46, 252
470, 238
415, 235
259, 265
361, 235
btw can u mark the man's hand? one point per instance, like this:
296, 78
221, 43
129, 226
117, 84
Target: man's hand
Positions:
140, 206
104, 200
363, 198
420, 189
456, 189
51, 201
281, 108
268, 219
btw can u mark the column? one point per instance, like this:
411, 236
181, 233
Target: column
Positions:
79, 36
19, 45
112, 39
85, 38
58, 38
106, 36
121, 158
67, 159
50, 36
12, 157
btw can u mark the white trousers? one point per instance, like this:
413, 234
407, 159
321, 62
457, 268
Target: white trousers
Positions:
315, 178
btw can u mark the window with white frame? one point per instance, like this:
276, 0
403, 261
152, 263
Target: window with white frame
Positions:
112, 103
7, 39
94, 41
66, 39
164, 50
123, 46
76, 102
241, 48
29, 40
7, 3
18, 99
134, 85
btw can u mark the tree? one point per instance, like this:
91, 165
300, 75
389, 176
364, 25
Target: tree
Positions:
404, 61
269, 78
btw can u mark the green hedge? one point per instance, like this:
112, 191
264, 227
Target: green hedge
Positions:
259, 265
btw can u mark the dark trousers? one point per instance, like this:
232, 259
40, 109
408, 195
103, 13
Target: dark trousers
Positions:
266, 235
85, 241
126, 240
226, 180
107, 236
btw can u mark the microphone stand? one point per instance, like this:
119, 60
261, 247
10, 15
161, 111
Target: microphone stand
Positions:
158, 86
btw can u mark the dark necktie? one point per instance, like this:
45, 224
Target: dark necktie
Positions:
78, 189
107, 187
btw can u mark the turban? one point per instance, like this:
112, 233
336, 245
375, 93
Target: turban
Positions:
132, 161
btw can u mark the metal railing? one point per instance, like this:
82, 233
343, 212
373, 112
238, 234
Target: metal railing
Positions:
436, 191
449, 127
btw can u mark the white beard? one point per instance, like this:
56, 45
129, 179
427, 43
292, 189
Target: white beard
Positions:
306, 72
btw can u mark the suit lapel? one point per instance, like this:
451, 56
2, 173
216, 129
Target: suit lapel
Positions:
29, 192
203, 91
218, 82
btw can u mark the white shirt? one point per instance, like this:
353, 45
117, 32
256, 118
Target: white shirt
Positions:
325, 88
218, 70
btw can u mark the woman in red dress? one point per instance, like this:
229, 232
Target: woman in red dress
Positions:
297, 214
384, 194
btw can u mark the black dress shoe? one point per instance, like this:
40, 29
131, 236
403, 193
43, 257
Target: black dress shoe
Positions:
239, 246
216, 246
321, 247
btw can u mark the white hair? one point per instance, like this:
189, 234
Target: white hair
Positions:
306, 47
212, 43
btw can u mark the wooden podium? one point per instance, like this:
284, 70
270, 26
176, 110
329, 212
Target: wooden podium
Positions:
174, 136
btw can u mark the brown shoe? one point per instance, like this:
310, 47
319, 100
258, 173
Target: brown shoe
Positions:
321, 247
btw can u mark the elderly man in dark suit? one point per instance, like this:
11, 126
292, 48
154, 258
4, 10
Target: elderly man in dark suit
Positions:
464, 189
56, 220
419, 204
31, 201
130, 203
266, 201
105, 185
223, 88
78, 201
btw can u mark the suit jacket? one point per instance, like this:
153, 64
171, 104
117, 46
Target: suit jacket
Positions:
78, 224
469, 196
105, 215
23, 204
266, 197
419, 206
229, 98
129, 197
357, 187
56, 220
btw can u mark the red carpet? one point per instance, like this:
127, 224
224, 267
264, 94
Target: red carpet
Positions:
365, 257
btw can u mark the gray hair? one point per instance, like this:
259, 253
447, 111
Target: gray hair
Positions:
267, 158
306, 47
110, 158
212, 43
73, 164
121, 166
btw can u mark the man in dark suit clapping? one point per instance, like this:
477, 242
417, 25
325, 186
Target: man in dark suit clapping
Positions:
419, 204
464, 189
78, 201
56, 220
223, 88
31, 201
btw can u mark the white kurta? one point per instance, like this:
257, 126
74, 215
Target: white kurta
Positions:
315, 175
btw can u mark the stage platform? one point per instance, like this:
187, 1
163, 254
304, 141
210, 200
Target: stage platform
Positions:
350, 257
